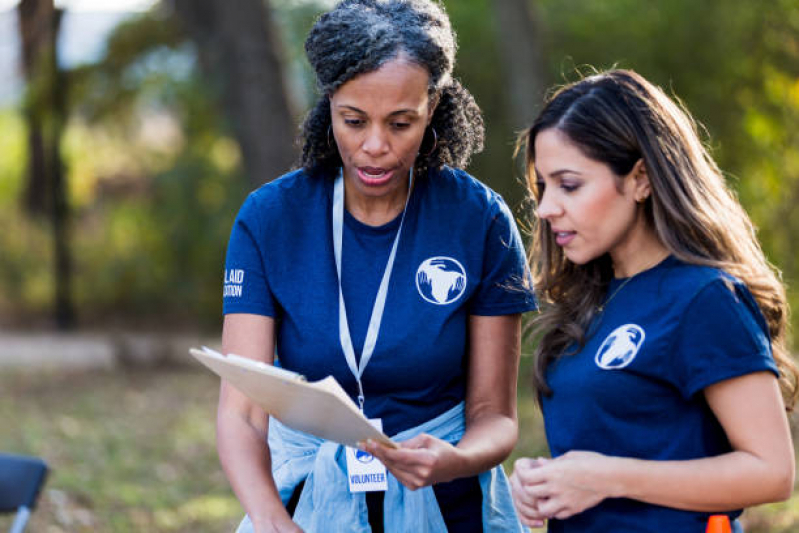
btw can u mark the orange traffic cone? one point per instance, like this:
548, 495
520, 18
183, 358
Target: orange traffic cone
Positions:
719, 523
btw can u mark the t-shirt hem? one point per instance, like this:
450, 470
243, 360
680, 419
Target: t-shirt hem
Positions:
508, 309
729, 373
247, 309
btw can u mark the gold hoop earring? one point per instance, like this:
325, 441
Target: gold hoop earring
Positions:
435, 143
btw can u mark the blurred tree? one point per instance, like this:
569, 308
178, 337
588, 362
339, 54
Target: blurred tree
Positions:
480, 66
519, 38
241, 54
46, 111
165, 182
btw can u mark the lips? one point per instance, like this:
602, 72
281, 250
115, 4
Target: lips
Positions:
562, 238
375, 176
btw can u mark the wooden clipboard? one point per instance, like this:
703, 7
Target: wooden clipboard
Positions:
320, 408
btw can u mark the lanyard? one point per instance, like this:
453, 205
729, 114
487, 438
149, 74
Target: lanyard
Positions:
382, 292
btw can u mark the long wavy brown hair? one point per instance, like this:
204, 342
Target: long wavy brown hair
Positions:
617, 117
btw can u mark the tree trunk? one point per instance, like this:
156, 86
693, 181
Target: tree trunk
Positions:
37, 34
46, 112
61, 220
240, 51
523, 67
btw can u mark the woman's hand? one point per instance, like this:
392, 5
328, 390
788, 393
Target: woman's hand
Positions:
420, 461
276, 523
561, 487
526, 504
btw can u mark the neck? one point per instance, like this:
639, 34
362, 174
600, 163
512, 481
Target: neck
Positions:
375, 210
638, 254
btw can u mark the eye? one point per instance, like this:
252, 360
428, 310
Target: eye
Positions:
569, 186
354, 122
400, 125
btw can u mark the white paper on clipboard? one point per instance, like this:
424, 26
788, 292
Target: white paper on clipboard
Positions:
320, 408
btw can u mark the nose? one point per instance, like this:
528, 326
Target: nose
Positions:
375, 142
548, 207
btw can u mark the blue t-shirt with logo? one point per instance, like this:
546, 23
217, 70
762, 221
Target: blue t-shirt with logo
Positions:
459, 254
635, 388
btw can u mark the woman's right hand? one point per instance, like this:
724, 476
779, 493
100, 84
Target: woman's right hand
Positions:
525, 503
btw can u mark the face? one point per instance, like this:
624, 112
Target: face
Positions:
379, 119
590, 209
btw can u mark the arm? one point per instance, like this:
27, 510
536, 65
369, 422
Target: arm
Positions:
491, 425
242, 428
759, 469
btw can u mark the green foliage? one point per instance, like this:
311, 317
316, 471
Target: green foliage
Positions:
294, 19
479, 67
736, 67
24, 250
155, 182
155, 177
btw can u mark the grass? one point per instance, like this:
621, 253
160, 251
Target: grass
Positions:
133, 450
129, 450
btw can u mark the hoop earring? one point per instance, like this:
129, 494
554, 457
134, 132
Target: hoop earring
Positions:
329, 132
435, 143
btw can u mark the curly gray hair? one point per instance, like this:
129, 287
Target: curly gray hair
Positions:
359, 36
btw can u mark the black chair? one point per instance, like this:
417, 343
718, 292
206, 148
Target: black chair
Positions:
21, 480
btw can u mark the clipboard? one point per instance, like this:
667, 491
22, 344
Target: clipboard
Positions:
321, 408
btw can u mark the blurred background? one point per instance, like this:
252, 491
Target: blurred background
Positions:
132, 130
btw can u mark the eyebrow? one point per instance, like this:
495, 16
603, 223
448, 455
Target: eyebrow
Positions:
558, 173
393, 113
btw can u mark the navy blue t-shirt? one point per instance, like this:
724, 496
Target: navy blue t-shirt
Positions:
459, 254
634, 390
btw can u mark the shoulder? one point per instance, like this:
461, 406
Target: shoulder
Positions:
466, 193
690, 279
292, 186
705, 289
287, 196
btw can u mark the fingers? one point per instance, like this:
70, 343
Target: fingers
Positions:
403, 457
413, 466
418, 462
529, 490
555, 508
524, 500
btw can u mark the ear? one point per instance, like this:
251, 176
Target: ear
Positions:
431, 107
639, 179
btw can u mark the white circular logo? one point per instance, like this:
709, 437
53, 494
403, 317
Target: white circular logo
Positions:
441, 280
363, 457
620, 347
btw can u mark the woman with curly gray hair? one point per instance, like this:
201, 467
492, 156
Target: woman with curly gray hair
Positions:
380, 227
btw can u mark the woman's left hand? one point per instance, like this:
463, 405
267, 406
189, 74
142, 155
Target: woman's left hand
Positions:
569, 484
418, 462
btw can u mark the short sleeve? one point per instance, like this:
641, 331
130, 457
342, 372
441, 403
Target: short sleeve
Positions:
506, 285
246, 287
722, 335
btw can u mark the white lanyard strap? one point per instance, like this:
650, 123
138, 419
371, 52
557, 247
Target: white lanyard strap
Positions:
382, 292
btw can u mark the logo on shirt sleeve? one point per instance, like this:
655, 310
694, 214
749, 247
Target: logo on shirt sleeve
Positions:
441, 280
620, 347
234, 283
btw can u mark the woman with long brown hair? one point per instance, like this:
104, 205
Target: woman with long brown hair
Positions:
662, 348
